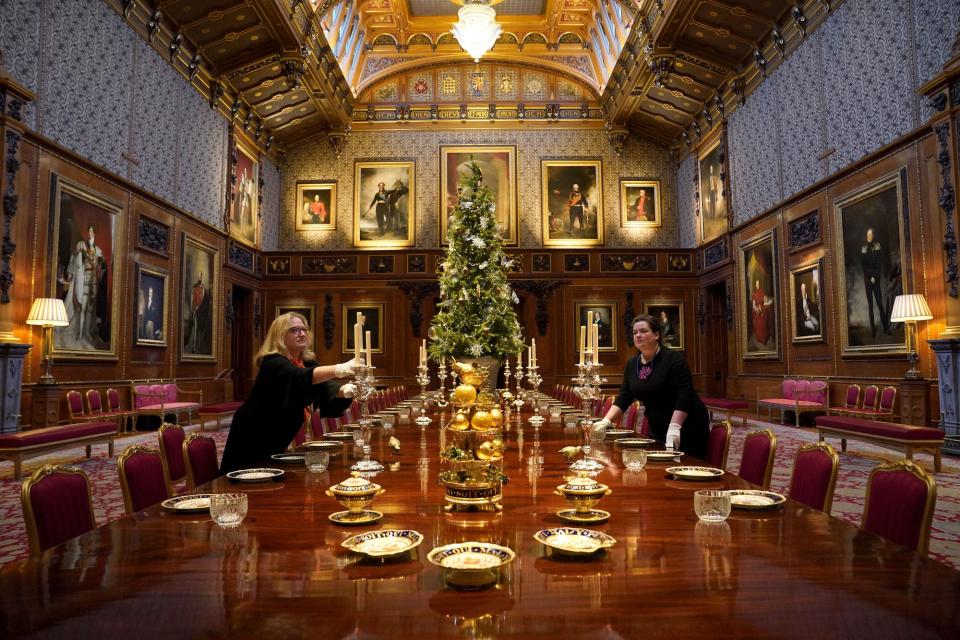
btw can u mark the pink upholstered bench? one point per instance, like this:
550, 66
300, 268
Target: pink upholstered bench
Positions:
163, 399
30, 444
218, 411
887, 434
799, 396
728, 406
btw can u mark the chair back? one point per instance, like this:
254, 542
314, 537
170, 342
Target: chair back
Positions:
899, 504
816, 391
113, 400
815, 476
605, 406
331, 424
57, 505
629, 418
169, 392
200, 459
870, 397
790, 388
756, 465
887, 398
853, 396
143, 477
644, 427
718, 444
75, 404
171, 446
147, 394
93, 401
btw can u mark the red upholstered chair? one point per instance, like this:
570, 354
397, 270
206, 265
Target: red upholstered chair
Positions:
200, 459
75, 407
815, 476
605, 406
850, 404
644, 427
899, 504
870, 395
115, 407
95, 402
143, 477
171, 446
756, 465
887, 398
57, 506
718, 444
628, 420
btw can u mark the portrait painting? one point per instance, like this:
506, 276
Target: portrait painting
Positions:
372, 322
150, 317
711, 186
670, 314
199, 276
572, 203
244, 211
383, 204
870, 244
87, 229
807, 307
498, 166
761, 325
640, 203
307, 311
602, 314
316, 205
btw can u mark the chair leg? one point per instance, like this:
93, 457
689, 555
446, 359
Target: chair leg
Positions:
936, 459
17, 467
796, 418
843, 445
908, 453
110, 449
89, 450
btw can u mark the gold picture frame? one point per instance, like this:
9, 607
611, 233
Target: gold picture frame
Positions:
199, 300
316, 205
807, 302
384, 219
640, 204
672, 334
712, 179
374, 320
571, 217
760, 289
498, 164
244, 207
150, 309
609, 320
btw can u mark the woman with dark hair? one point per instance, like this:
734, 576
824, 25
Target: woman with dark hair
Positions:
660, 378
288, 381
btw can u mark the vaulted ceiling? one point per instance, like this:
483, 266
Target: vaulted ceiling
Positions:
286, 70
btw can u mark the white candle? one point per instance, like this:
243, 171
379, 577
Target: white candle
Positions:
529, 357
423, 353
369, 361
596, 343
356, 339
533, 344
583, 341
520, 361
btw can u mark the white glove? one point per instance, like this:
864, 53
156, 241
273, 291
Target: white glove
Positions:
601, 424
348, 390
346, 369
673, 436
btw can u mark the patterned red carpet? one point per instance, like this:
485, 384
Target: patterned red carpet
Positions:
855, 467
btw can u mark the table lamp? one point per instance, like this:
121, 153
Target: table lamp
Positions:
910, 309
48, 313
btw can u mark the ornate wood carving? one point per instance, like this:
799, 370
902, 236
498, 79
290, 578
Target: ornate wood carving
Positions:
948, 203
799, 19
701, 312
319, 266
805, 231
715, 254
278, 266
679, 262
153, 235
728, 303
576, 262
257, 315
380, 264
778, 41
634, 262
628, 314
417, 263
514, 263
10, 204
228, 306
241, 257
542, 289
174, 47
329, 323
153, 25
541, 262
415, 292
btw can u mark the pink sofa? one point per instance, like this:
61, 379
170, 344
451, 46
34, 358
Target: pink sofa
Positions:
798, 395
162, 399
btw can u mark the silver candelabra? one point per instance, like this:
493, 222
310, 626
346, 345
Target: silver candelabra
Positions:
423, 379
364, 381
533, 377
588, 387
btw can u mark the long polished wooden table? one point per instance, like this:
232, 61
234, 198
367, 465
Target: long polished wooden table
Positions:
790, 572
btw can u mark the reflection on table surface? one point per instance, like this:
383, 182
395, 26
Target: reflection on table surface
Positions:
283, 573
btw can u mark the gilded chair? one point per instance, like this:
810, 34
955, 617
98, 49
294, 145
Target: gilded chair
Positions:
115, 407
143, 477
851, 403
899, 504
870, 396
815, 476
629, 418
171, 438
200, 459
97, 411
759, 451
57, 505
718, 444
75, 407
885, 409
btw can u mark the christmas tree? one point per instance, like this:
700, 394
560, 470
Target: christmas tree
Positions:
477, 316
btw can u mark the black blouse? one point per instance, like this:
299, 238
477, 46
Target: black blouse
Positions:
273, 412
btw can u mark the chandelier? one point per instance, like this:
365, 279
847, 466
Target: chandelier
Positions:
477, 30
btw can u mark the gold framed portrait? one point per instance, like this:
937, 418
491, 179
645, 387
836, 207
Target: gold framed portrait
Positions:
384, 202
640, 204
604, 315
498, 165
571, 198
316, 205
670, 314
373, 322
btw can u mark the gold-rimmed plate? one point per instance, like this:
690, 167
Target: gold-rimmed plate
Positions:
696, 474
617, 433
323, 445
634, 443
663, 456
349, 518
471, 556
591, 516
383, 544
574, 541
338, 435
196, 503
255, 475
755, 499
288, 458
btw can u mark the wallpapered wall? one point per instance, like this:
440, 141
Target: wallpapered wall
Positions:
851, 86
103, 92
640, 159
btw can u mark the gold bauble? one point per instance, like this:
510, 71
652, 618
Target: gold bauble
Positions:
482, 420
465, 394
486, 451
497, 444
460, 422
497, 416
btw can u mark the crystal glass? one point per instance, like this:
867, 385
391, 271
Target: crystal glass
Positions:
228, 509
387, 421
712, 505
555, 411
634, 459
316, 461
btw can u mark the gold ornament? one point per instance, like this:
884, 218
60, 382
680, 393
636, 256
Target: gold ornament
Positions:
486, 451
482, 420
460, 422
497, 444
497, 416
465, 394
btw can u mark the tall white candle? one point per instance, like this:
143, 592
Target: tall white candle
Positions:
583, 340
533, 345
529, 357
596, 343
369, 361
356, 339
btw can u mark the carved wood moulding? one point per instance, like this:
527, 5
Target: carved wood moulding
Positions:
153, 236
417, 263
240, 257
318, 266
576, 262
805, 231
380, 264
278, 266
679, 263
628, 262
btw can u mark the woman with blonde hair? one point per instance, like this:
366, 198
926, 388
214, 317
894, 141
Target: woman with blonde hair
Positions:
288, 382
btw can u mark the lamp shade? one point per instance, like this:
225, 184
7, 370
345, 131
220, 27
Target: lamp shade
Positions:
910, 308
48, 312
477, 31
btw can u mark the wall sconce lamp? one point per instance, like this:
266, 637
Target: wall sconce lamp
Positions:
910, 309
48, 313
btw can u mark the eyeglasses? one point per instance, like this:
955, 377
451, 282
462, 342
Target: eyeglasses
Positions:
297, 330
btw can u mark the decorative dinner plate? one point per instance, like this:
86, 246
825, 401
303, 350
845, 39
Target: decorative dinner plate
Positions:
323, 445
695, 473
593, 516
663, 456
289, 458
383, 544
349, 518
196, 503
574, 541
338, 435
617, 433
755, 499
255, 475
636, 443
471, 556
